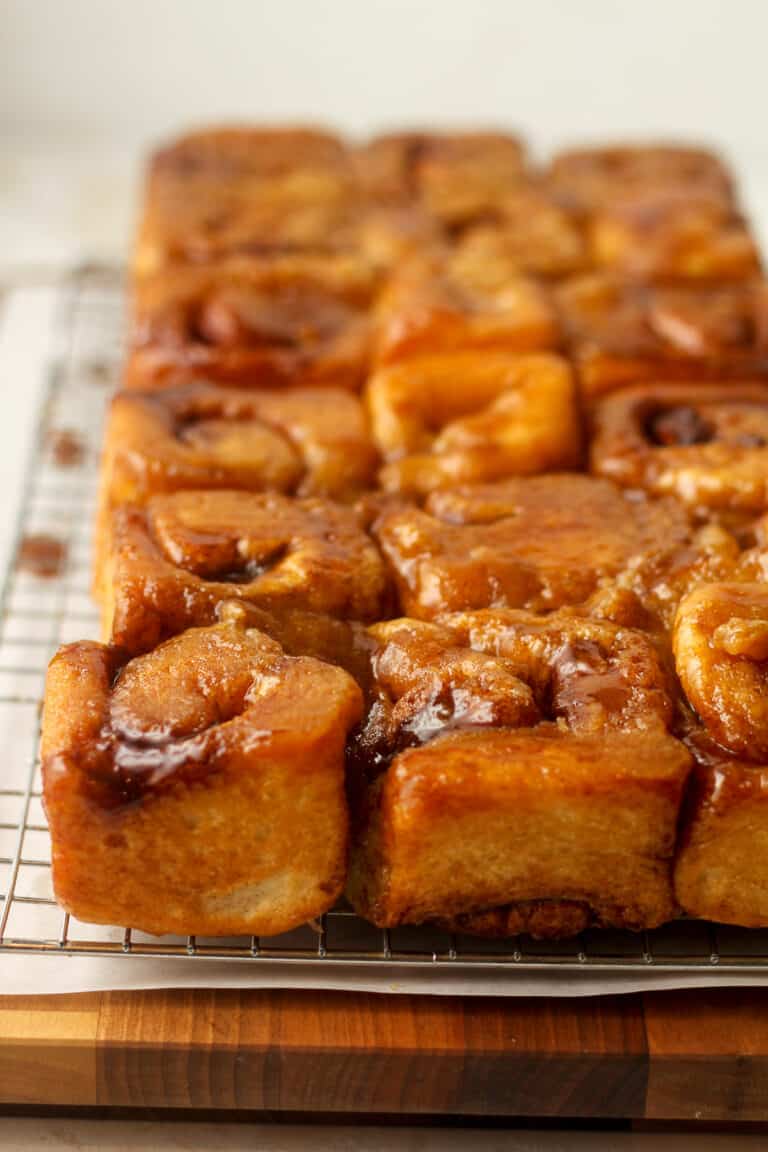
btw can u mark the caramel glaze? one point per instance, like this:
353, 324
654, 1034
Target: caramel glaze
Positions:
134, 755
231, 152
232, 537
169, 718
621, 332
721, 646
708, 446
457, 175
345, 644
67, 448
295, 320
178, 559
42, 555
527, 233
204, 436
307, 214
585, 180
431, 306
234, 317
674, 236
92, 756
505, 669
722, 778
719, 781
465, 418
540, 543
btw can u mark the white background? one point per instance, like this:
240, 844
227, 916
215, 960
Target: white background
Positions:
85, 85
108, 68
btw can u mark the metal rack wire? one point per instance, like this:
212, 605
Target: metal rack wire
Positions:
37, 614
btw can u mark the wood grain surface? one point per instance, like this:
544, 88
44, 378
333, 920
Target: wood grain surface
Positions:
682, 1056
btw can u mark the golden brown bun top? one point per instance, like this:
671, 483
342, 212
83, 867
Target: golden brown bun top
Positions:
604, 312
456, 177
239, 302
267, 542
721, 654
707, 445
178, 713
245, 151
587, 179
547, 542
199, 435
508, 669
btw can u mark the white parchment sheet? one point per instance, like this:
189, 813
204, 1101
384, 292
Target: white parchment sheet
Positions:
47, 975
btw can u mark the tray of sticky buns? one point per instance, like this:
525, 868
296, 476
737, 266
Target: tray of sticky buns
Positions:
432, 547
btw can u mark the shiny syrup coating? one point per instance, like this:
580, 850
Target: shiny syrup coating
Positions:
42, 555
298, 441
507, 670
705, 445
538, 543
721, 654
177, 560
190, 708
67, 448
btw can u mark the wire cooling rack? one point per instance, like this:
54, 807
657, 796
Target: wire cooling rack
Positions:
38, 613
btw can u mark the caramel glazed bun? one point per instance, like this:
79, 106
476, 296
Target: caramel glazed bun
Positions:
185, 790
509, 759
294, 321
173, 563
198, 435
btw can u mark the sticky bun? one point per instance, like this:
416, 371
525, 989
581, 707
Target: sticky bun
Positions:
173, 562
721, 870
499, 622
511, 762
721, 655
586, 180
469, 417
296, 320
306, 442
245, 192
455, 177
185, 790
434, 305
236, 151
705, 445
622, 332
539, 542
528, 234
674, 236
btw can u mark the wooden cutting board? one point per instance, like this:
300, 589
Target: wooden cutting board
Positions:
669, 1056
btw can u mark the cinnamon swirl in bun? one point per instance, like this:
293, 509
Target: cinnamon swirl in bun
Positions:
174, 562
512, 763
185, 790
